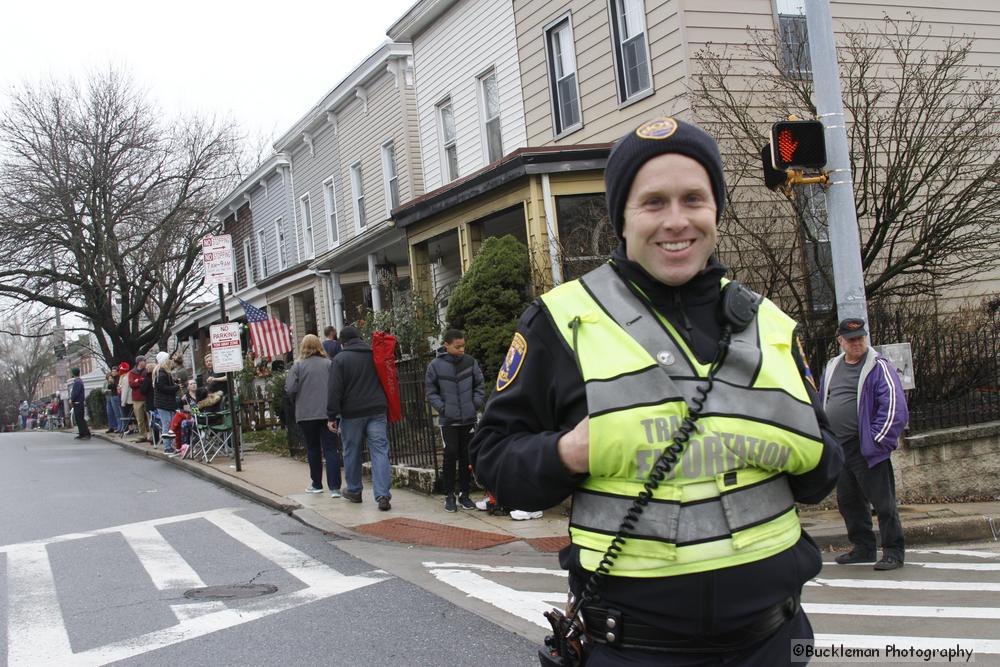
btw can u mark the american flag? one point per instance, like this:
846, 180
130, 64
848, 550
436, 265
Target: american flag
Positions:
270, 337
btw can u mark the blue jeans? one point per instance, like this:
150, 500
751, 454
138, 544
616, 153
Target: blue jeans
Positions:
114, 408
353, 432
166, 416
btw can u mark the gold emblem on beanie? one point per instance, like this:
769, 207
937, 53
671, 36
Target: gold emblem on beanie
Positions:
658, 128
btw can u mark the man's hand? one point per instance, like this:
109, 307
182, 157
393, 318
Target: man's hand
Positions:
333, 427
574, 447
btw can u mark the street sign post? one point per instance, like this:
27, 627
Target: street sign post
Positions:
227, 354
217, 256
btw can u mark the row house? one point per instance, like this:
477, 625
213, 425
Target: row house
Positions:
355, 158
518, 103
312, 237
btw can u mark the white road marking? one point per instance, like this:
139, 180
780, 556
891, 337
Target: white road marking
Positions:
979, 646
168, 570
37, 635
512, 569
529, 605
31, 591
955, 552
901, 585
930, 565
901, 611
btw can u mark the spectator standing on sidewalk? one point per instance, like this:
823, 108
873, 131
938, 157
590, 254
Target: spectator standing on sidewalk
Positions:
307, 385
455, 388
864, 402
330, 343
124, 395
357, 407
78, 397
137, 380
165, 399
113, 402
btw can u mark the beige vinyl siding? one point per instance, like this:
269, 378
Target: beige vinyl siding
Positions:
469, 39
360, 138
604, 117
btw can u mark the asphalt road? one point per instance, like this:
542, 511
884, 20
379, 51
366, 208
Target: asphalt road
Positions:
99, 546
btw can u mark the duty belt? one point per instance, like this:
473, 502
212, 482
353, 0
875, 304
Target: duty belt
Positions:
612, 627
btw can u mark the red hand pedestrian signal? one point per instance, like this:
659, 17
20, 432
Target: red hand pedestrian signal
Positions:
798, 144
787, 145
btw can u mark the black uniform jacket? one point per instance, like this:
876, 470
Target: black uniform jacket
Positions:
514, 455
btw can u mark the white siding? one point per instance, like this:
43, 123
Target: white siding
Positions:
472, 37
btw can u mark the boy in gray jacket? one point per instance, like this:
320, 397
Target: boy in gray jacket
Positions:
455, 388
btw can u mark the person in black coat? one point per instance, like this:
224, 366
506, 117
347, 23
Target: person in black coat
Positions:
455, 389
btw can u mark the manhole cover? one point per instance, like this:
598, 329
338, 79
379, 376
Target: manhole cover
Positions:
231, 592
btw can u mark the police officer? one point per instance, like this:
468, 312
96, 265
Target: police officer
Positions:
597, 383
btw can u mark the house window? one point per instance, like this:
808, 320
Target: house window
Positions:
448, 143
330, 199
307, 225
262, 253
562, 76
358, 193
794, 39
279, 235
628, 25
247, 263
491, 116
389, 175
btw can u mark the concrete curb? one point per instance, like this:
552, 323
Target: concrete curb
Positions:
929, 531
239, 486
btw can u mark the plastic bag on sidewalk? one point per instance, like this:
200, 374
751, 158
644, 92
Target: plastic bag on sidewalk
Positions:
384, 353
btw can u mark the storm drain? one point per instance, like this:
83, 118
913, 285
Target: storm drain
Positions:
231, 592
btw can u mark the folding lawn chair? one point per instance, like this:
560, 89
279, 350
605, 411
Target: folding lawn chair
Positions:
212, 435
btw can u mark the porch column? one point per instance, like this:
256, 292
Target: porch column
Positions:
337, 299
373, 283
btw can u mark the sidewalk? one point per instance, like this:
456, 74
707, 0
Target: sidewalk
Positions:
419, 519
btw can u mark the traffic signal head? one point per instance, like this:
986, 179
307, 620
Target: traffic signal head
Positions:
798, 144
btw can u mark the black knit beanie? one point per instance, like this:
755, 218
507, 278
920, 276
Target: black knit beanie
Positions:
657, 137
349, 333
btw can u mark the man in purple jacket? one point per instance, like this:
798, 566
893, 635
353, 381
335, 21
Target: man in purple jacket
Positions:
864, 402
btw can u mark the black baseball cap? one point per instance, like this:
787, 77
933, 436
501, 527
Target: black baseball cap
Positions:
851, 327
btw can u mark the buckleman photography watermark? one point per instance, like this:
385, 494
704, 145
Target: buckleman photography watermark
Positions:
803, 651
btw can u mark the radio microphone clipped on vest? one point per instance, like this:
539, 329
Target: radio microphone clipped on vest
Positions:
738, 306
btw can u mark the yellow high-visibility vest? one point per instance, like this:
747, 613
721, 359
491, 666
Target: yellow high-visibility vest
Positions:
727, 500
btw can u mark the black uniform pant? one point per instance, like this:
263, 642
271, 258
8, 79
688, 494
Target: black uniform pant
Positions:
456, 451
859, 485
81, 421
775, 650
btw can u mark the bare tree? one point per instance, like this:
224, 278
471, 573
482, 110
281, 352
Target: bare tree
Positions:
925, 155
25, 357
103, 205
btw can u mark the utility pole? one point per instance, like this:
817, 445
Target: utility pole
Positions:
842, 217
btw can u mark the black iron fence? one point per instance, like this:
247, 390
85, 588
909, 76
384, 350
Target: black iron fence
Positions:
956, 377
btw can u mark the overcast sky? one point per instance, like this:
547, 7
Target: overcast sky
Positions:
264, 63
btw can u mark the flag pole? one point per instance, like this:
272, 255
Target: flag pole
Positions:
234, 415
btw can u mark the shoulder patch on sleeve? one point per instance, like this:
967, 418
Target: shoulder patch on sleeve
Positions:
512, 362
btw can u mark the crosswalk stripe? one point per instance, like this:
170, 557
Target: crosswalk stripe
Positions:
901, 611
978, 646
527, 605
168, 570
930, 565
898, 584
512, 569
954, 552
31, 590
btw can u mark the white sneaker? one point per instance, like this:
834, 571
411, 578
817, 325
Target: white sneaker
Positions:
313, 489
483, 505
335, 494
521, 515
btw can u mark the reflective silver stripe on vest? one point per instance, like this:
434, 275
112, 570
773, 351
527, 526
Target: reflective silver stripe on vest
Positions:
652, 386
692, 523
631, 314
